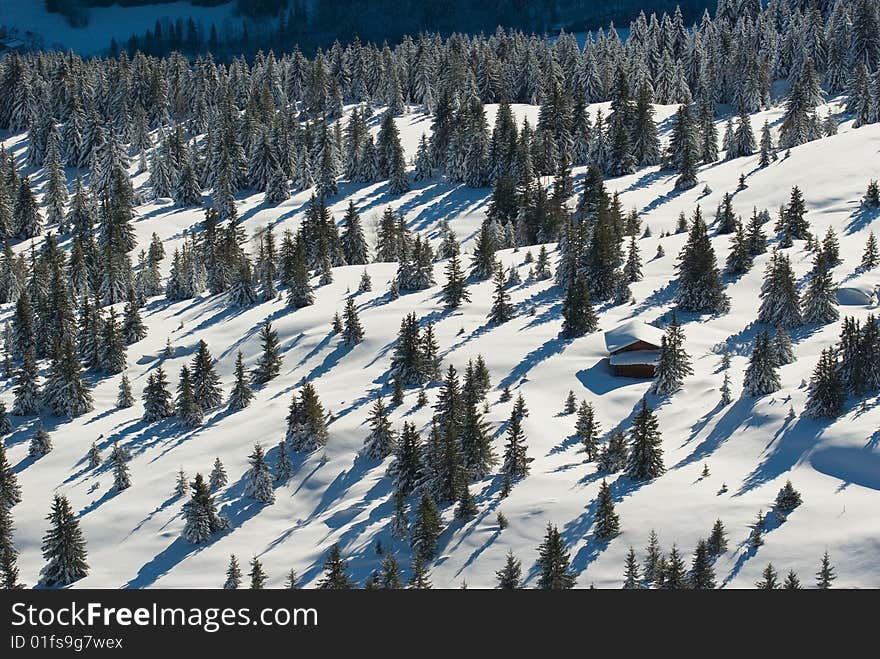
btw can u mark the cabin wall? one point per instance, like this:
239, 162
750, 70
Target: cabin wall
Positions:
634, 370
638, 345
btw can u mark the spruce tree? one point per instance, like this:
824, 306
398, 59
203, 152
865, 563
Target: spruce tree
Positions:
64, 547
124, 398
269, 363
699, 285
257, 575
825, 576
871, 256
788, 498
258, 479
382, 440
200, 513
579, 318
426, 529
41, 442
501, 310
306, 421
217, 477
64, 392
613, 456
10, 491
717, 542
352, 332
674, 363
455, 290
510, 576
233, 574
791, 581
421, 577
206, 382
826, 394
769, 579
702, 576
157, 398
554, 571
761, 377
819, 302
587, 429
119, 459
336, 575
516, 460
645, 460
242, 394
187, 408
607, 522
631, 575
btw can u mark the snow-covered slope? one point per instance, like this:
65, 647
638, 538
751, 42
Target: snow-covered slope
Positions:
336, 495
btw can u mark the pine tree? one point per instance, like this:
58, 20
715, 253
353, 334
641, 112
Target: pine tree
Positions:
761, 377
406, 470
181, 485
27, 390
257, 575
819, 302
306, 421
717, 543
871, 256
577, 309
121, 477
653, 558
421, 577
354, 245
258, 479
111, 354
336, 575
674, 576
353, 332
826, 394
588, 430
233, 574
94, 456
553, 562
10, 491
64, 547
788, 498
501, 310
510, 576
631, 576
125, 398
241, 395
283, 468
217, 477
699, 284
702, 575
516, 461
756, 535
41, 442
645, 460
157, 398
206, 382
607, 522
269, 363
791, 581
780, 305
64, 392
455, 289
382, 440
467, 507
768, 151
188, 410
782, 348
769, 579
726, 396
427, 528
674, 363
613, 456
825, 575
200, 513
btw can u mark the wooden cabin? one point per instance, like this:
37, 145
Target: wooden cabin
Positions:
633, 349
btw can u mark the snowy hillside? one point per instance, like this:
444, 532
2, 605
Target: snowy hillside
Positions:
336, 495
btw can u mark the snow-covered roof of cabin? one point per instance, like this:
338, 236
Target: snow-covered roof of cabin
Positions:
635, 357
631, 332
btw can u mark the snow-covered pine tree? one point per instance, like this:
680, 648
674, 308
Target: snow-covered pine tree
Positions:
554, 565
780, 304
41, 442
200, 513
606, 520
336, 575
674, 363
819, 301
119, 462
826, 393
157, 399
186, 406
233, 574
306, 421
241, 394
761, 377
501, 310
64, 547
645, 460
258, 479
577, 309
382, 440
217, 477
269, 364
353, 331
516, 460
426, 529
699, 286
